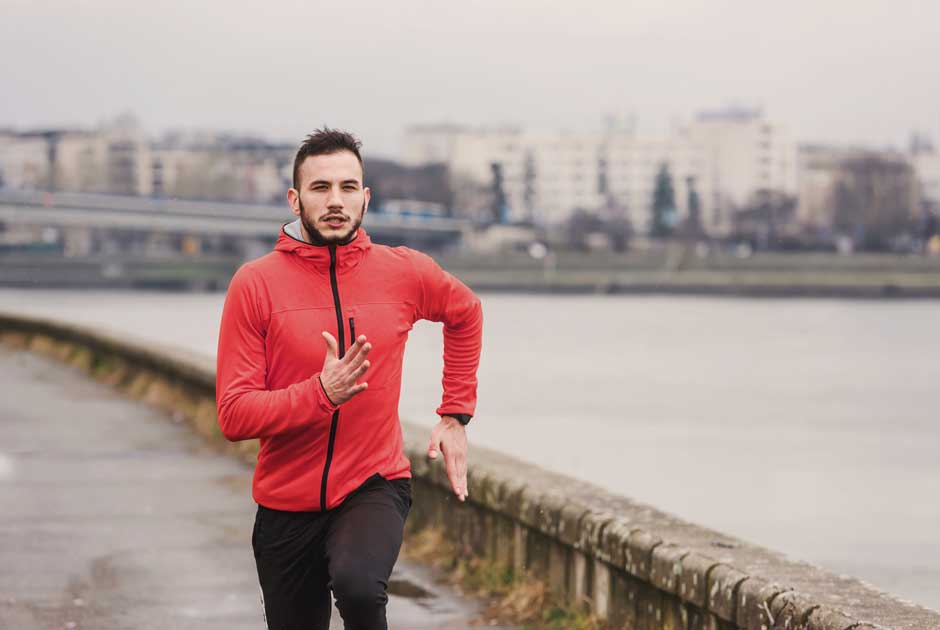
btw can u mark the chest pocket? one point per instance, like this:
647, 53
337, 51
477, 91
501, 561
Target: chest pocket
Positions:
295, 343
386, 326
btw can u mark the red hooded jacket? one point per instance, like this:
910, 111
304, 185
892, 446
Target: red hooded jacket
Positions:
313, 453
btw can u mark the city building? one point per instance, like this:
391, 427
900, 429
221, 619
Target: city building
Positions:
479, 161
223, 167
740, 153
114, 159
925, 158
857, 194
24, 161
726, 157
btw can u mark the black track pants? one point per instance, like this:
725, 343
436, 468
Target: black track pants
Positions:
351, 549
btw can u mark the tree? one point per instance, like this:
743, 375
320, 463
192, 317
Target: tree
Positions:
875, 200
693, 224
664, 204
620, 231
499, 208
390, 180
616, 224
765, 218
581, 224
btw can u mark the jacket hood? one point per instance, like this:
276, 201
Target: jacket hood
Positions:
290, 241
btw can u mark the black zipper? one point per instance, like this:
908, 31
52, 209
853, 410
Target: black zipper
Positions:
341, 331
352, 330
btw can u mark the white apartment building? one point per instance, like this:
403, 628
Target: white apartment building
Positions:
217, 173
24, 161
740, 152
818, 167
563, 174
633, 164
726, 156
470, 154
127, 158
546, 176
113, 159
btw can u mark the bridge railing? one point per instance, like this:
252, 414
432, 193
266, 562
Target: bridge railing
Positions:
201, 209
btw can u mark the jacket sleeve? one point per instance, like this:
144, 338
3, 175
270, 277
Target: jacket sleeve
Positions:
247, 409
444, 298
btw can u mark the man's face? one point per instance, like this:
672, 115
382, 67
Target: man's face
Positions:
331, 200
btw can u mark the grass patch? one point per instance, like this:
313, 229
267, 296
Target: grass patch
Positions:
513, 598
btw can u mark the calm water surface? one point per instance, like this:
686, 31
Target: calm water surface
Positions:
808, 426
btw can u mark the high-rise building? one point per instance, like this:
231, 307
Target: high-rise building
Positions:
725, 156
741, 153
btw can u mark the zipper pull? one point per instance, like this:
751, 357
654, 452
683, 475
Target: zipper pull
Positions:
352, 330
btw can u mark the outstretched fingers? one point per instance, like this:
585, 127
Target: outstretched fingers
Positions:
339, 376
357, 350
358, 372
358, 388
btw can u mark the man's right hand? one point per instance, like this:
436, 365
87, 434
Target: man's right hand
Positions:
338, 376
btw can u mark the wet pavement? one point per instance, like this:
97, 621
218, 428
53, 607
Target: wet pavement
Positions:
112, 516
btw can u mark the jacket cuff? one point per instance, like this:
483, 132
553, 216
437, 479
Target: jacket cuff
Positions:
324, 400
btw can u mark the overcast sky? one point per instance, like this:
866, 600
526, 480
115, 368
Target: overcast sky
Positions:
851, 71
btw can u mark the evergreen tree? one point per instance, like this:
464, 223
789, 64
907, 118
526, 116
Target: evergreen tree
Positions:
695, 210
664, 204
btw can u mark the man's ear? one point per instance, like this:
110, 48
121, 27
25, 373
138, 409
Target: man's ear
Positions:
367, 192
293, 199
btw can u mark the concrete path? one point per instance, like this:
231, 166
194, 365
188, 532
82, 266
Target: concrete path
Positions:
114, 517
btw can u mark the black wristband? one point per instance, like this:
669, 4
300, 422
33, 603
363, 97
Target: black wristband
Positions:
462, 418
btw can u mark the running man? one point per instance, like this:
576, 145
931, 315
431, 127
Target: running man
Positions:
309, 362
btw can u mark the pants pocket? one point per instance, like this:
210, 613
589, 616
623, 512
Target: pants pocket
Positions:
402, 488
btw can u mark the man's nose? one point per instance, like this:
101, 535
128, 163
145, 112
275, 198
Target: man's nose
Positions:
335, 199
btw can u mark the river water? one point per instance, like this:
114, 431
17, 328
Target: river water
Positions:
808, 426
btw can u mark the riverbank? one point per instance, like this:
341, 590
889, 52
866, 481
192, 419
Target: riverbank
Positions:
679, 271
665, 272
784, 284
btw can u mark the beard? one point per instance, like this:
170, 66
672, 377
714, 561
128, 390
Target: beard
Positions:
318, 238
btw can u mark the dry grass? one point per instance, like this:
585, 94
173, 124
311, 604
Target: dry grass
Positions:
519, 599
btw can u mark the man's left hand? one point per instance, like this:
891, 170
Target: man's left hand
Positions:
450, 438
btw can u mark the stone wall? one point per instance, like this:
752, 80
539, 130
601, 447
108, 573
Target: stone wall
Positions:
632, 564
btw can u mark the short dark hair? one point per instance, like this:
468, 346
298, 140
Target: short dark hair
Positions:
324, 142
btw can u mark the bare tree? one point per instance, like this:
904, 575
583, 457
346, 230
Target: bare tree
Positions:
875, 200
765, 218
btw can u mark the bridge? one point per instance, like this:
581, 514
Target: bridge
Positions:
106, 241
88, 224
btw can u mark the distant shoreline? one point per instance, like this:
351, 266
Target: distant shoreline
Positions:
756, 284
796, 276
602, 286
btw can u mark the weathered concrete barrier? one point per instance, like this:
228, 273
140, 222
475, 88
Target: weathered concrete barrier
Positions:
636, 566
